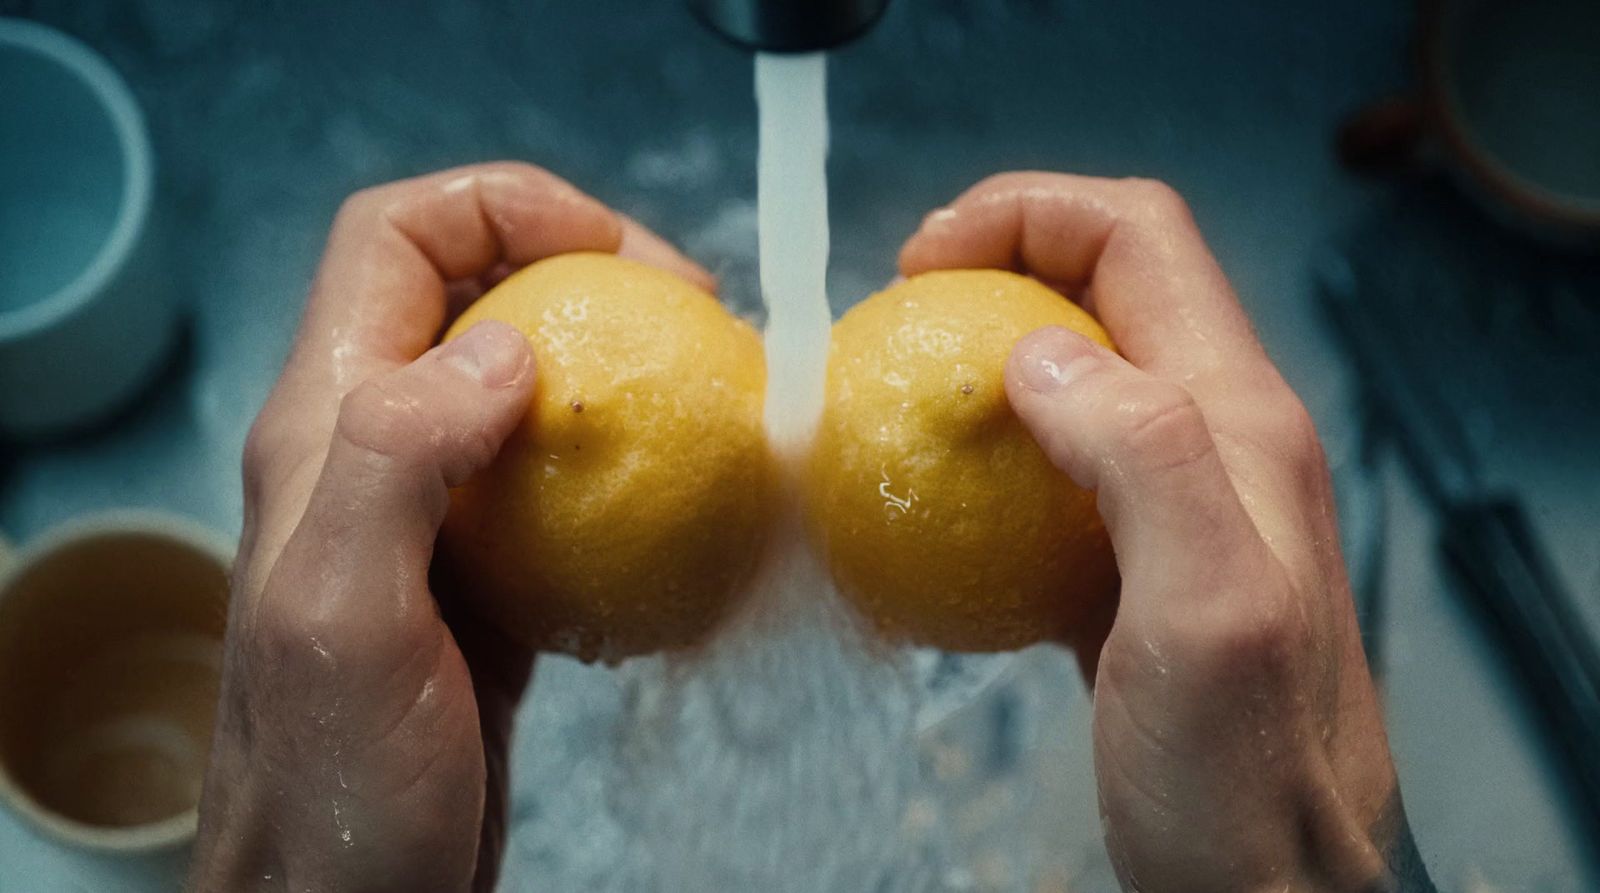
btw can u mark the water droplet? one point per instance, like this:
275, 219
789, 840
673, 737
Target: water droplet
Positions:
338, 822
891, 502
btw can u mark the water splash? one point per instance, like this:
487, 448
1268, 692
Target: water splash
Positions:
781, 758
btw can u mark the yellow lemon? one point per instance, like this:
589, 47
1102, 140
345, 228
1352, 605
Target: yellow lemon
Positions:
622, 515
940, 517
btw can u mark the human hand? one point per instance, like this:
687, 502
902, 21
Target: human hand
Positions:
1238, 738
363, 725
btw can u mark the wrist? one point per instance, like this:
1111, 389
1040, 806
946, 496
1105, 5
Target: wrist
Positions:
1404, 871
230, 861
1352, 852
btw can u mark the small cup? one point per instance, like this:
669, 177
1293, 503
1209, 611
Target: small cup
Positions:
110, 660
86, 313
1508, 98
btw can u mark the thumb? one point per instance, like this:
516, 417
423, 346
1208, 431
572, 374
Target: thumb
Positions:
1142, 443
402, 441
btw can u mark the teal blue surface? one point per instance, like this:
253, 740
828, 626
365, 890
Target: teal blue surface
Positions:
266, 115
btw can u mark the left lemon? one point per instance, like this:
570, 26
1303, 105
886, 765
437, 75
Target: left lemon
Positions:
624, 513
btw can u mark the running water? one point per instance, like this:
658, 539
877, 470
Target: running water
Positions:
792, 203
781, 757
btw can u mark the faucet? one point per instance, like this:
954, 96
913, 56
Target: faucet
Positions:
788, 26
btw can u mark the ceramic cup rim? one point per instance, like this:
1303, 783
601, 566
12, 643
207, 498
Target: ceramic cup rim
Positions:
1502, 179
138, 173
166, 833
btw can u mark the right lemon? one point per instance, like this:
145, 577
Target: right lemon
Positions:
939, 515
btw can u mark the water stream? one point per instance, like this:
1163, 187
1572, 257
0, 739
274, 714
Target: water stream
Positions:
792, 203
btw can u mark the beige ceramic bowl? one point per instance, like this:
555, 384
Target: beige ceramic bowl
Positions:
110, 651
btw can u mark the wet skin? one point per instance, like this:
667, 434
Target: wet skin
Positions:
364, 722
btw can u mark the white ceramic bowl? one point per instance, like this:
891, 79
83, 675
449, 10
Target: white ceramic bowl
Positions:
86, 315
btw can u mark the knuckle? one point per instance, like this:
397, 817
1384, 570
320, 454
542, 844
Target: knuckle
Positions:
303, 637
365, 203
271, 440
1009, 182
1281, 431
519, 182
1005, 180
260, 445
375, 204
1298, 434
376, 419
996, 182
519, 169
283, 638
1287, 421
300, 647
1257, 643
1162, 429
1155, 199
1126, 664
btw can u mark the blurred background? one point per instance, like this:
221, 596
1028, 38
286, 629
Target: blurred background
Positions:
1444, 332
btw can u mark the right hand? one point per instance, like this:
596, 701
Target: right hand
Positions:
1238, 738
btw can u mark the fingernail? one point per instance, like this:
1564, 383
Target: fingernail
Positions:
491, 352
1051, 358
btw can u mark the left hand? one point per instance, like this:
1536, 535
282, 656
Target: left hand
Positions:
363, 727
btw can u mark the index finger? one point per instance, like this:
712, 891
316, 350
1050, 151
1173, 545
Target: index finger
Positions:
1131, 246
379, 298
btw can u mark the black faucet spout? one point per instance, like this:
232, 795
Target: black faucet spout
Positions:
788, 26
